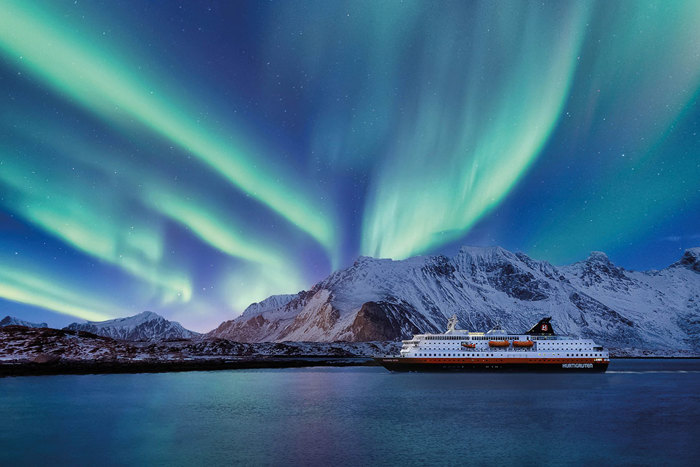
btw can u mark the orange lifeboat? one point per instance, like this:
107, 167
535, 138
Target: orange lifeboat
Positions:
468, 345
499, 343
523, 343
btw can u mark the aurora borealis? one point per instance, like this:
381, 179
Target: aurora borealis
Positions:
193, 158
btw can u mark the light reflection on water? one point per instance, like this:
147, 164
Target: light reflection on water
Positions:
640, 412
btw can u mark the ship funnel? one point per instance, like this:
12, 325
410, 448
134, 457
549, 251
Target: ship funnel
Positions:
543, 328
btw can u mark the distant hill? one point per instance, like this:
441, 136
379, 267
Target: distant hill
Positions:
381, 299
142, 327
12, 321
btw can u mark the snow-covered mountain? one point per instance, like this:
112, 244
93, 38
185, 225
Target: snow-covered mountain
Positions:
144, 326
381, 299
12, 321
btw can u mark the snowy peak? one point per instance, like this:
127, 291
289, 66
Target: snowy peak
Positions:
598, 257
690, 259
12, 321
143, 317
489, 254
270, 303
141, 327
379, 299
598, 271
363, 259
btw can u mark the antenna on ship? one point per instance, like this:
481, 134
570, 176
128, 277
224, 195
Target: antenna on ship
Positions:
452, 323
497, 329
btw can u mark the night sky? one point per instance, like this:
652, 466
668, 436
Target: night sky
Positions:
193, 158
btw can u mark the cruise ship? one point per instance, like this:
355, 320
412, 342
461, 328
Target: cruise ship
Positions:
538, 349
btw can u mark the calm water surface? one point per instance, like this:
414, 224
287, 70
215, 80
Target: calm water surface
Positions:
640, 412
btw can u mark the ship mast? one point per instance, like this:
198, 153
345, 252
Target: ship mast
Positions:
451, 324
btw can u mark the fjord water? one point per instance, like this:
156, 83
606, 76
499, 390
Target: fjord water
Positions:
640, 412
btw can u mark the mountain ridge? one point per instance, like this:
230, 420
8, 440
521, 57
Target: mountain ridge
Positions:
13, 321
382, 299
146, 325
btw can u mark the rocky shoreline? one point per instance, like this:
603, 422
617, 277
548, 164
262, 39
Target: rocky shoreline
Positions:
44, 351
79, 367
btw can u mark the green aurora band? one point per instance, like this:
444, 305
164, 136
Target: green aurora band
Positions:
43, 289
92, 225
72, 64
121, 229
639, 180
408, 126
467, 142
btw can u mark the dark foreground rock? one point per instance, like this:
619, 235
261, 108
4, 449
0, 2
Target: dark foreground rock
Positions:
33, 351
69, 367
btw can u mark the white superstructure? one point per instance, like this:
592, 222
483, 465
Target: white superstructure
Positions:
497, 348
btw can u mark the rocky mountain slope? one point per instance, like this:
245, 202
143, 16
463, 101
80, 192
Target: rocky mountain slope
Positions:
12, 321
379, 299
146, 326
20, 344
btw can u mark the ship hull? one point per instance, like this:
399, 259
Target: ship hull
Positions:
500, 365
